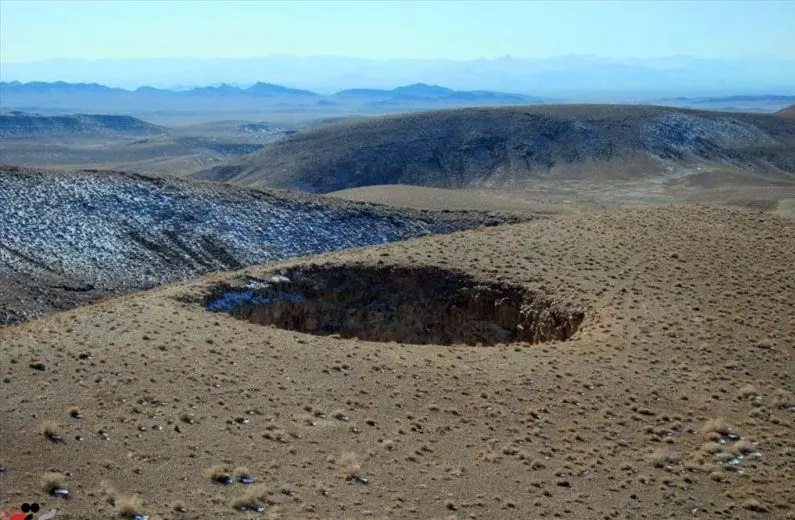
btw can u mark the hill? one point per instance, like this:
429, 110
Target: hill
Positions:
745, 103
423, 96
635, 363
125, 143
74, 237
514, 146
787, 112
23, 125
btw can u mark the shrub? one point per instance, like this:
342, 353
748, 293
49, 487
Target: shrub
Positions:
128, 506
255, 499
52, 480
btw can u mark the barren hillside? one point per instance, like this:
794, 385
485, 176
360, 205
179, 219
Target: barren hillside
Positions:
24, 125
73, 237
513, 147
125, 143
787, 112
630, 364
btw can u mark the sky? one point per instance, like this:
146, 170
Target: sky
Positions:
461, 30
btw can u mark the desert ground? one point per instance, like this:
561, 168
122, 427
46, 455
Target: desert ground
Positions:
426, 198
629, 363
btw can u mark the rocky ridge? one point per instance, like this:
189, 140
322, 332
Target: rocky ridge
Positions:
68, 238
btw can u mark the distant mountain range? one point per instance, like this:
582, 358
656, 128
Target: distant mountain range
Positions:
292, 107
577, 78
60, 97
748, 103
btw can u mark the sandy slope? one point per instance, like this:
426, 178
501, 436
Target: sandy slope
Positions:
740, 189
686, 346
422, 197
787, 112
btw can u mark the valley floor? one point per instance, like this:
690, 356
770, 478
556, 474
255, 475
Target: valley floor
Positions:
565, 197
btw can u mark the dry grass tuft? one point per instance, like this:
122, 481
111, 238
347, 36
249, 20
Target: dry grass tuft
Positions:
107, 492
349, 466
712, 447
661, 458
755, 505
219, 474
715, 428
52, 480
128, 506
50, 429
747, 391
783, 400
741, 447
254, 499
242, 474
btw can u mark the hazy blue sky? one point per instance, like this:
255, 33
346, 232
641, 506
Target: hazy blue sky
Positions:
31, 30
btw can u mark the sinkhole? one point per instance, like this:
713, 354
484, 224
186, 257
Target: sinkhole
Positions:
420, 305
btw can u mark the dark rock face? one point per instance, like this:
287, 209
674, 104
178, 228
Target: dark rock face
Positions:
410, 305
67, 239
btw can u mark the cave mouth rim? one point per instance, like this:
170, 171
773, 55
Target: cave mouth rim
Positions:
321, 300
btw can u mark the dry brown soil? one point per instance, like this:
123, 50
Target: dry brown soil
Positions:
423, 197
673, 398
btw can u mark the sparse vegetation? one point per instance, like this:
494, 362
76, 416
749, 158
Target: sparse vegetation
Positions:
712, 447
51, 430
243, 475
741, 447
350, 467
661, 458
52, 480
747, 391
715, 429
754, 505
219, 474
129, 506
254, 499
